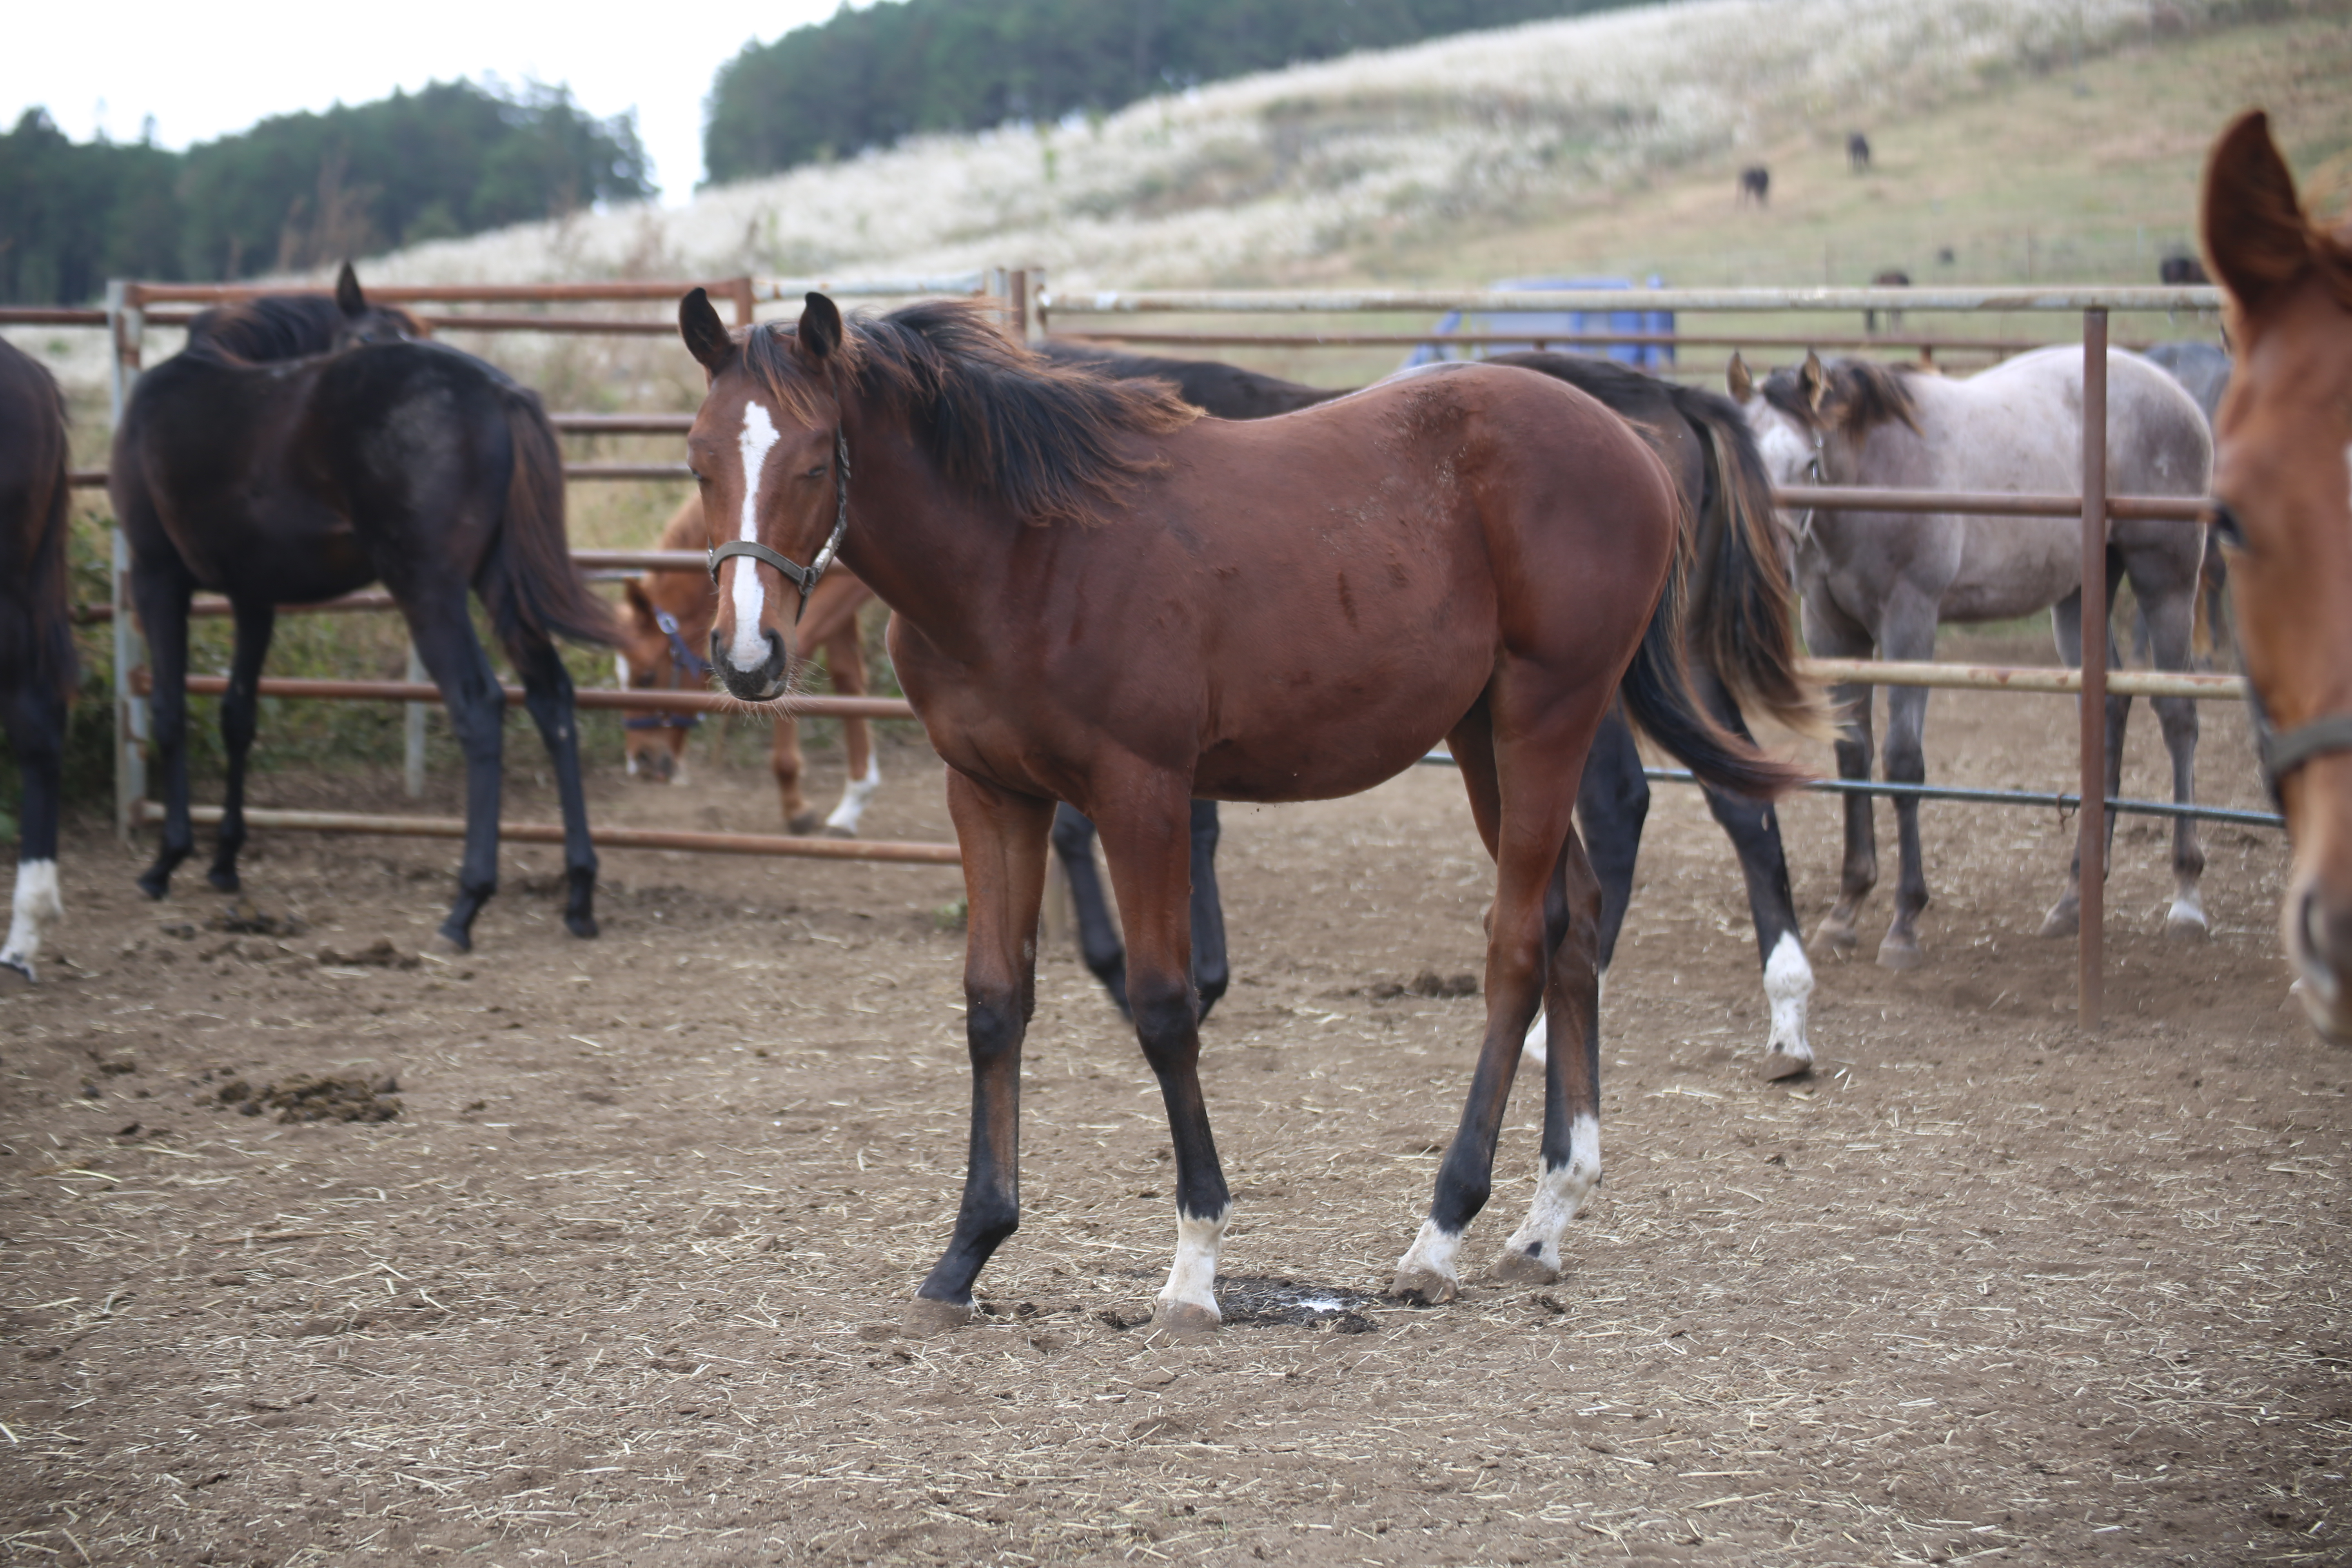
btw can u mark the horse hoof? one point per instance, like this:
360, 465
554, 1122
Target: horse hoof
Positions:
155, 887
448, 940
2064, 919
2187, 922
833, 832
1779, 1065
222, 882
580, 925
1899, 953
14, 975
1518, 1267
802, 825
1422, 1288
1835, 935
1183, 1320
923, 1317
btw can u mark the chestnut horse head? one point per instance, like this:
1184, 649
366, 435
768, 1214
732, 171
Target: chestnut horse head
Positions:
664, 622
769, 452
2283, 474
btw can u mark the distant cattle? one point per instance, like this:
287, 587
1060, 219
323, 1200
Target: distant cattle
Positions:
1756, 185
2180, 268
1857, 151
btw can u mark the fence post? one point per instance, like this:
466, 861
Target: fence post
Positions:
747, 301
412, 766
126, 332
2092, 845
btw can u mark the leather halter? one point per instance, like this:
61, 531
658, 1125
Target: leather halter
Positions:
683, 661
804, 578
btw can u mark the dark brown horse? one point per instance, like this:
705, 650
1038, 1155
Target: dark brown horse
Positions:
2282, 472
301, 448
1103, 599
36, 653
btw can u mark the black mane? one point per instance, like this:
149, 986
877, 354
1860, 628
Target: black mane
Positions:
1043, 438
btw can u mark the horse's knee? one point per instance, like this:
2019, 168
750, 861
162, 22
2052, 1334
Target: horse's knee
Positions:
993, 1024
1167, 1018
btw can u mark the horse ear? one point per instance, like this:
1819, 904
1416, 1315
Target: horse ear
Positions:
1814, 381
820, 328
348, 298
705, 335
1742, 384
2255, 233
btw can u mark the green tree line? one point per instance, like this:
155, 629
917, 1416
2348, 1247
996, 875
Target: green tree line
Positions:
297, 190
867, 78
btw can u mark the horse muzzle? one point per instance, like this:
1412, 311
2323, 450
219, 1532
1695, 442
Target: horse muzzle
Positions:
763, 683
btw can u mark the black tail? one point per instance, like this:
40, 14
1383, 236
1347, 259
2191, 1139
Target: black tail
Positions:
1660, 700
1743, 605
532, 589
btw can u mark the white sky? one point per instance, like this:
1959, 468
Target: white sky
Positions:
211, 69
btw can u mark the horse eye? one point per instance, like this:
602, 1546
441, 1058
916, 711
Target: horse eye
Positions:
816, 473
2225, 528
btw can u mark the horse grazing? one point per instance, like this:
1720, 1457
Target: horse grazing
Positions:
37, 651
1886, 580
1857, 152
1727, 497
1756, 185
666, 616
301, 448
2282, 452
1103, 599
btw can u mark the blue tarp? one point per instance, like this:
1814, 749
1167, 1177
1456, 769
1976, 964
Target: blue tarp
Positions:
1555, 327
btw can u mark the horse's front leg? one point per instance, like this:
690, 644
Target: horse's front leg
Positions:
1831, 636
547, 692
1211, 969
443, 634
1149, 846
784, 762
1613, 801
240, 709
1003, 835
2065, 916
2171, 617
1754, 828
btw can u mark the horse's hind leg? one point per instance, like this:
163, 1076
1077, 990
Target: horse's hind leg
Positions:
1753, 829
162, 590
547, 692
784, 762
444, 636
239, 709
36, 719
1572, 1136
2169, 610
1830, 636
2065, 916
1908, 633
1522, 794
1612, 802
1098, 943
1210, 971
1004, 839
845, 660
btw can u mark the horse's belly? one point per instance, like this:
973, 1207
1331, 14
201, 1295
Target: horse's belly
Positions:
2021, 569
1323, 736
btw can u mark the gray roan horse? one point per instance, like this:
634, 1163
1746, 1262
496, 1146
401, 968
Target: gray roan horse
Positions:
1884, 581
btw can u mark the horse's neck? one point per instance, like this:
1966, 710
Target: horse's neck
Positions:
935, 552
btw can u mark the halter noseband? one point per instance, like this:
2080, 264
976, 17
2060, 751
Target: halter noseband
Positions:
804, 578
683, 661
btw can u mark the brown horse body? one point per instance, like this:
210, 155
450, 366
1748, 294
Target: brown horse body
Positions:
663, 658
1102, 599
2282, 472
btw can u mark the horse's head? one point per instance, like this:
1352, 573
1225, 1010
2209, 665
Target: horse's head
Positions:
1784, 414
659, 624
2282, 473
769, 452
364, 323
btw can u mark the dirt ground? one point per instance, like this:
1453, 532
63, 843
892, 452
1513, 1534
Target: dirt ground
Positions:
619, 1282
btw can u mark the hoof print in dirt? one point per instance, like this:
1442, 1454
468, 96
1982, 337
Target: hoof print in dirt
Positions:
303, 1098
378, 954
1252, 1300
1121, 1319
243, 917
1517, 1267
1428, 982
1779, 1066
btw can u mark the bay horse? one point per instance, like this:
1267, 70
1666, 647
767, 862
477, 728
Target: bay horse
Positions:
665, 616
37, 651
1102, 598
1884, 581
302, 447
1727, 493
2283, 475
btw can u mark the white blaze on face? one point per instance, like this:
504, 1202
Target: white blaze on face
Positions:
749, 649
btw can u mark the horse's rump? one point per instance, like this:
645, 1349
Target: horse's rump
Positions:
35, 630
